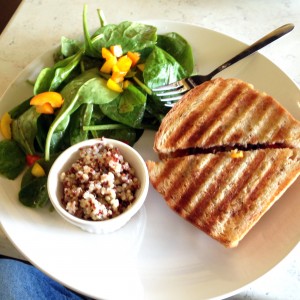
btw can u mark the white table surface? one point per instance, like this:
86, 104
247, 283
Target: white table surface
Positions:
38, 25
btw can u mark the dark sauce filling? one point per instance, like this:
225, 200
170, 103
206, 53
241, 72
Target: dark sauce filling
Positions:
217, 149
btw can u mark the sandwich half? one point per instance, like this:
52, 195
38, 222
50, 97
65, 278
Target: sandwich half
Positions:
225, 113
225, 194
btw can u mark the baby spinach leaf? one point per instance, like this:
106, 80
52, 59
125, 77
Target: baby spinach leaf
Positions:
179, 48
49, 79
81, 117
86, 88
69, 47
12, 159
33, 192
131, 36
128, 108
24, 130
161, 68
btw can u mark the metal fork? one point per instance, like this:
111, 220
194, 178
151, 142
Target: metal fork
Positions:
173, 92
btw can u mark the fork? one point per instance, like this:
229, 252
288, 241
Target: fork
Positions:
171, 93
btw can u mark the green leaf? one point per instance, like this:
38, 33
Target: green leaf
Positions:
24, 130
49, 79
80, 118
179, 48
161, 68
12, 159
69, 47
33, 192
128, 108
132, 36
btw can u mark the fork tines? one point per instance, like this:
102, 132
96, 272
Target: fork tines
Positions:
173, 91
172, 95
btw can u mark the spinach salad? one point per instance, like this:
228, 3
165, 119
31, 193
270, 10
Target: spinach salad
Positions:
90, 108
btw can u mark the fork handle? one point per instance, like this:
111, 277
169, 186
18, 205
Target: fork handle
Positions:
264, 41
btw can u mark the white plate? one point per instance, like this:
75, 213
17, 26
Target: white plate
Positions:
158, 254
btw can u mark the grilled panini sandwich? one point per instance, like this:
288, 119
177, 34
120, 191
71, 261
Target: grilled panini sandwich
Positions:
228, 152
225, 113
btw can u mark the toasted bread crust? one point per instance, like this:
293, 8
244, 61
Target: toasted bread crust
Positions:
226, 112
225, 196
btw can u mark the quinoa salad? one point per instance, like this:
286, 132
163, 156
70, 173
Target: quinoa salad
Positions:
100, 185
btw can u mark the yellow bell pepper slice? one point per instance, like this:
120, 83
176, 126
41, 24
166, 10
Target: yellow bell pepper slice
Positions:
5, 126
114, 86
124, 63
108, 65
37, 170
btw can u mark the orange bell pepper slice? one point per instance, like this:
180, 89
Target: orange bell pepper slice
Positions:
55, 99
117, 77
45, 108
106, 54
134, 56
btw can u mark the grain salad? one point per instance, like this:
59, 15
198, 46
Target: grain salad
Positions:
100, 185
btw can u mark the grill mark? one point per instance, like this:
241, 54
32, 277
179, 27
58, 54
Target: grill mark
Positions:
215, 113
251, 122
267, 124
170, 191
194, 187
196, 215
225, 204
241, 106
201, 104
282, 131
160, 178
248, 202
281, 127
